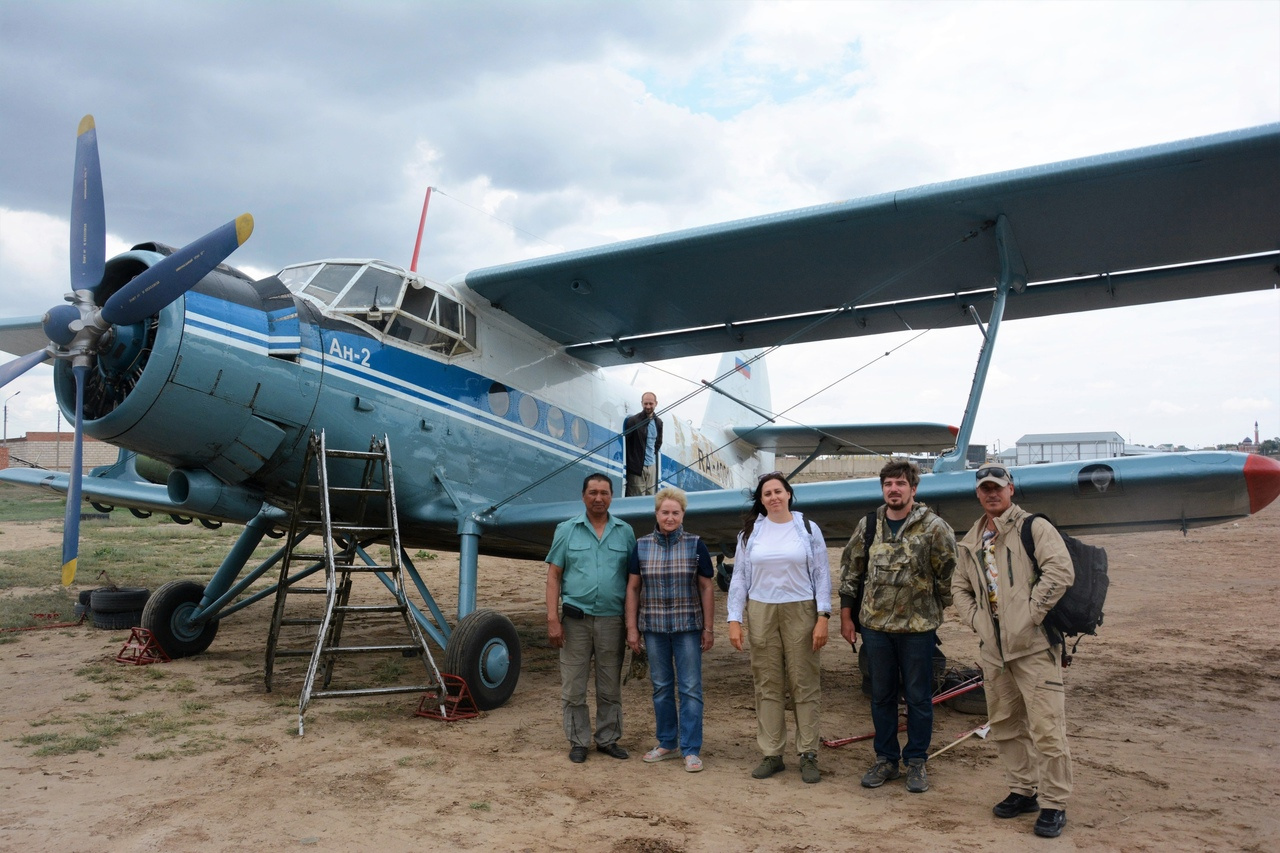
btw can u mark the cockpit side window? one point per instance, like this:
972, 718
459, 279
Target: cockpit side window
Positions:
326, 284
375, 289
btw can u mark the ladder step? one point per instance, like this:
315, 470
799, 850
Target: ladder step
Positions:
307, 590
293, 653
358, 490
366, 650
371, 691
360, 528
306, 558
353, 454
369, 608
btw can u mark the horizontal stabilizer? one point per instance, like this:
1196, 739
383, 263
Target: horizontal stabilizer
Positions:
849, 439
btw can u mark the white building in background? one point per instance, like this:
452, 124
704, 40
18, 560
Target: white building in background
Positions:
1034, 449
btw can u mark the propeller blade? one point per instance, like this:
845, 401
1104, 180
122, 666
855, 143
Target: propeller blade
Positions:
159, 285
71, 525
13, 369
88, 219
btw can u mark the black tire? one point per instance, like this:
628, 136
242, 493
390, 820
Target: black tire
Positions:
974, 702
117, 621
121, 600
84, 597
167, 617
484, 649
724, 574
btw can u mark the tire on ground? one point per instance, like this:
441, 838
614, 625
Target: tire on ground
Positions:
484, 649
166, 616
119, 600
117, 621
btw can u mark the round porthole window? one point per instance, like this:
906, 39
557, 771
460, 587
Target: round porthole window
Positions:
555, 422
528, 411
581, 433
499, 399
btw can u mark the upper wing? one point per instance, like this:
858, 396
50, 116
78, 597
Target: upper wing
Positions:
918, 257
843, 439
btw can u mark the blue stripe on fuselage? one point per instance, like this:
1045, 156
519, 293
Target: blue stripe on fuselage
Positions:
366, 362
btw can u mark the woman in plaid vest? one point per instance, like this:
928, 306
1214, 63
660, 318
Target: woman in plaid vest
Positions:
670, 610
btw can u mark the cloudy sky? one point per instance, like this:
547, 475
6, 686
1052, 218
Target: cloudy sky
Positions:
558, 125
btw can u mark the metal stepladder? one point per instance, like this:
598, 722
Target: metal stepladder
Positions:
367, 514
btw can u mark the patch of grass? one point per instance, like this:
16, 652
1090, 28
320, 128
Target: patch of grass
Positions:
22, 504
154, 756
389, 671
480, 807
51, 605
78, 697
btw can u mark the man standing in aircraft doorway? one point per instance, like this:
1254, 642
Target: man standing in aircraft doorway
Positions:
901, 559
587, 567
642, 440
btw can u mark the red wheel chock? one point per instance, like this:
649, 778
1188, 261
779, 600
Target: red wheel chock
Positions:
455, 703
142, 649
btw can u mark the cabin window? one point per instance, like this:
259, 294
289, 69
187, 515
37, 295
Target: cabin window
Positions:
499, 400
555, 422
581, 433
528, 411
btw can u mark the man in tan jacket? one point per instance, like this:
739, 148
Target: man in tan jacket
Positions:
998, 593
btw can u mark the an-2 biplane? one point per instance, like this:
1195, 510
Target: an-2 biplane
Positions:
489, 389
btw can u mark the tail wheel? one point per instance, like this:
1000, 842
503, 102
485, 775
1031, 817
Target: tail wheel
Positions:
484, 650
168, 617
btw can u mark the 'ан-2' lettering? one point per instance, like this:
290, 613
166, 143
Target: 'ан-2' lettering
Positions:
348, 353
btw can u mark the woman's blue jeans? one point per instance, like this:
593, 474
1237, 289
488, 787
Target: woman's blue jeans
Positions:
676, 659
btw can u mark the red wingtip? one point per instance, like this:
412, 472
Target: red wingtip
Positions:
955, 430
1262, 478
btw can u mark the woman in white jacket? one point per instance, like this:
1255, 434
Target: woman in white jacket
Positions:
782, 579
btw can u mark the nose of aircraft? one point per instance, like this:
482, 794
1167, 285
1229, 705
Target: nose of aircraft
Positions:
1262, 478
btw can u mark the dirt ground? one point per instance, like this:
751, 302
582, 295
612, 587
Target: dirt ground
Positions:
1174, 714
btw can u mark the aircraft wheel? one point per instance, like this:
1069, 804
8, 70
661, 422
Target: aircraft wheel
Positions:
484, 650
167, 617
724, 574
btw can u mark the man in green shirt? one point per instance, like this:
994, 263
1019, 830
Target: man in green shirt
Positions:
587, 568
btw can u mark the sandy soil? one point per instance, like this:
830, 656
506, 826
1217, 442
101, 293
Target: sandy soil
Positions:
1174, 716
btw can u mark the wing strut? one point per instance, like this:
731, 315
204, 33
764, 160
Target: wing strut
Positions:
1013, 274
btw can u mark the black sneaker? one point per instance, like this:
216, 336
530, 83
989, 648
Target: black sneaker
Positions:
1051, 822
917, 776
1016, 804
578, 754
882, 771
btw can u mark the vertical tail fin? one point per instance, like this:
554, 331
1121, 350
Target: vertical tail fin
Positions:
744, 382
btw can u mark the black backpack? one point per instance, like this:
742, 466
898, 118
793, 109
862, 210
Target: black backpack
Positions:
1079, 611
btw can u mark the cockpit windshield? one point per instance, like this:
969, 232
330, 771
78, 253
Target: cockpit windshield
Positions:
393, 303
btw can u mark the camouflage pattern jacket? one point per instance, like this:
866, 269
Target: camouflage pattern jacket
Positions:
909, 581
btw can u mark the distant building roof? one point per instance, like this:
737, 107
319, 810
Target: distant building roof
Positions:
1069, 437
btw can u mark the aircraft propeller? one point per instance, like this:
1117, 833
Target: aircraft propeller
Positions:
78, 332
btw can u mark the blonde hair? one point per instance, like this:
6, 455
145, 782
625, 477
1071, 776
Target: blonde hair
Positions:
670, 493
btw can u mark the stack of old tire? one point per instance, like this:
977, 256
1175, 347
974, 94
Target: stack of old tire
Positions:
113, 608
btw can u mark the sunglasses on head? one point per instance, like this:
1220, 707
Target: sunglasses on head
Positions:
764, 477
993, 471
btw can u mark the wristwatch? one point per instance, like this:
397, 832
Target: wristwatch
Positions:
825, 614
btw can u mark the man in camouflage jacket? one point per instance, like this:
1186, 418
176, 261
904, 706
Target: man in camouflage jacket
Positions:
905, 587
